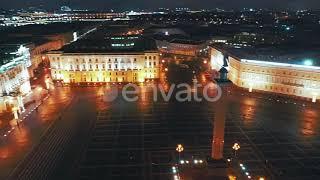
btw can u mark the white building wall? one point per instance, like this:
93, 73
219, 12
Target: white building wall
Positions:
14, 78
279, 78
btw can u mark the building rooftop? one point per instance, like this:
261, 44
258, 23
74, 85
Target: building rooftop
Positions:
113, 44
112, 39
7, 53
307, 56
11, 55
186, 41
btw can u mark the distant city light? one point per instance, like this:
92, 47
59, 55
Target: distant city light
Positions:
288, 28
308, 62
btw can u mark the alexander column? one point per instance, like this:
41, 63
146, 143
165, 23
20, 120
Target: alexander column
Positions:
220, 116
216, 167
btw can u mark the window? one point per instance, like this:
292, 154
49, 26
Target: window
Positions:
154, 57
135, 60
96, 60
97, 66
89, 60
154, 63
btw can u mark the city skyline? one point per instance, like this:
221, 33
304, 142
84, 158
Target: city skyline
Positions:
143, 4
145, 90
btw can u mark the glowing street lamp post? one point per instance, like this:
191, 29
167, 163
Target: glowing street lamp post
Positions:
235, 147
179, 149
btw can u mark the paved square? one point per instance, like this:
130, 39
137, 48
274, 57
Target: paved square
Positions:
138, 140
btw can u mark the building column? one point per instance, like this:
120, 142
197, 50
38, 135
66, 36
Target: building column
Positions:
219, 127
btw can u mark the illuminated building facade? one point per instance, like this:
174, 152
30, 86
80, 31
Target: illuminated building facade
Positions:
181, 47
289, 74
38, 51
14, 76
119, 59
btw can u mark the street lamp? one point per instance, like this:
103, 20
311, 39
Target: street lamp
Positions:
179, 149
235, 147
261, 178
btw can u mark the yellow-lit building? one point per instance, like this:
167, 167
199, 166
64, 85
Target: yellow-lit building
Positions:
112, 59
273, 70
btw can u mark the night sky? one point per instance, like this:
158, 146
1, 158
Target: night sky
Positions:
152, 4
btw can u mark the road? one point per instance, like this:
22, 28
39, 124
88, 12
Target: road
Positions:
22, 139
